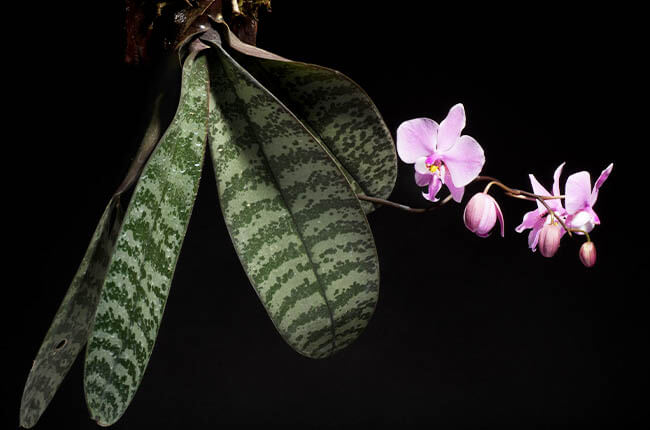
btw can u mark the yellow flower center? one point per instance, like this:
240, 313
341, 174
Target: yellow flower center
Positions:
432, 168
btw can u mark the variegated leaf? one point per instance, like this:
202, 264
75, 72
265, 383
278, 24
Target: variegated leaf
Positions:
336, 110
295, 221
341, 115
139, 276
69, 330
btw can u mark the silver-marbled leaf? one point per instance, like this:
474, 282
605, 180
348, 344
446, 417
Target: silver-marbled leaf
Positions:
341, 115
141, 269
336, 110
297, 226
69, 330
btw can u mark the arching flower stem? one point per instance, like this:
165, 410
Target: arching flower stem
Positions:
511, 192
516, 193
385, 202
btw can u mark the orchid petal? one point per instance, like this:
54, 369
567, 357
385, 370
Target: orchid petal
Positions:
464, 160
539, 190
529, 221
421, 166
533, 236
416, 138
556, 204
456, 192
599, 183
578, 192
423, 179
450, 127
556, 180
537, 187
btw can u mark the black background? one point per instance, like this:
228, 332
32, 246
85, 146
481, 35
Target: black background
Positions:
468, 332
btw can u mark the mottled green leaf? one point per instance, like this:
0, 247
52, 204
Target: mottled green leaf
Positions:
295, 221
69, 330
336, 110
140, 272
341, 115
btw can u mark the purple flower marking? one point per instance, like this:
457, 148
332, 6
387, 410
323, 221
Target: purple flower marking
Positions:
537, 219
580, 199
440, 154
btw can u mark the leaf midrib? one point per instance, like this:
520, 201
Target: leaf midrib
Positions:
319, 282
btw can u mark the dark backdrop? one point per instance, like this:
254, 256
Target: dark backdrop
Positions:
468, 333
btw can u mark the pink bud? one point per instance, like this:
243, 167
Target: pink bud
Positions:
549, 239
588, 254
481, 214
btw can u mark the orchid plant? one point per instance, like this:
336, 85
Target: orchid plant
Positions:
288, 142
443, 157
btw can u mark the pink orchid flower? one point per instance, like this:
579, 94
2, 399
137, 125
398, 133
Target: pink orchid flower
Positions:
440, 154
580, 198
537, 219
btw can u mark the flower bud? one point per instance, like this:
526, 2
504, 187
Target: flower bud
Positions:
481, 214
549, 239
588, 254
